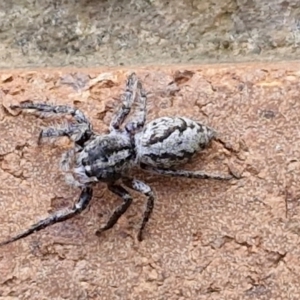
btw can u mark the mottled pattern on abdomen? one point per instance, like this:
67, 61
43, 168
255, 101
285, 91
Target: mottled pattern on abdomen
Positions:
169, 142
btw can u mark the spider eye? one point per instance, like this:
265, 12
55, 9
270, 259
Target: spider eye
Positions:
103, 158
85, 162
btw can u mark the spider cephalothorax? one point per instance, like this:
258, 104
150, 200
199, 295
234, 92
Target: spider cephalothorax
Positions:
160, 146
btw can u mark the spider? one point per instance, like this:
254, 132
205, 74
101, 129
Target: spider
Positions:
160, 147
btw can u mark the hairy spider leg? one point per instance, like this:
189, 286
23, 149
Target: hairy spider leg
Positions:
79, 132
140, 114
187, 174
145, 189
127, 100
120, 210
59, 216
48, 110
66, 159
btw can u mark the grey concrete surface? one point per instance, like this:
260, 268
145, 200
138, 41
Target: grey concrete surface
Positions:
89, 33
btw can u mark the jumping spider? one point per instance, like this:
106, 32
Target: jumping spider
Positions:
160, 146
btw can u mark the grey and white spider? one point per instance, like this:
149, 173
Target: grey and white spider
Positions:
160, 146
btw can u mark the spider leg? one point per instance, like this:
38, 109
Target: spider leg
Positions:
140, 114
146, 190
79, 133
120, 210
187, 174
59, 216
48, 110
127, 100
66, 164
66, 159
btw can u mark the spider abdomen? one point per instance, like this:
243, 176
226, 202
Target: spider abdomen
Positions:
171, 141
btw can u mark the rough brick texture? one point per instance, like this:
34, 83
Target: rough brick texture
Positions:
206, 239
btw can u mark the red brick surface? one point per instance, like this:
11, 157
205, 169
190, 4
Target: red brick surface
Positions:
206, 239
